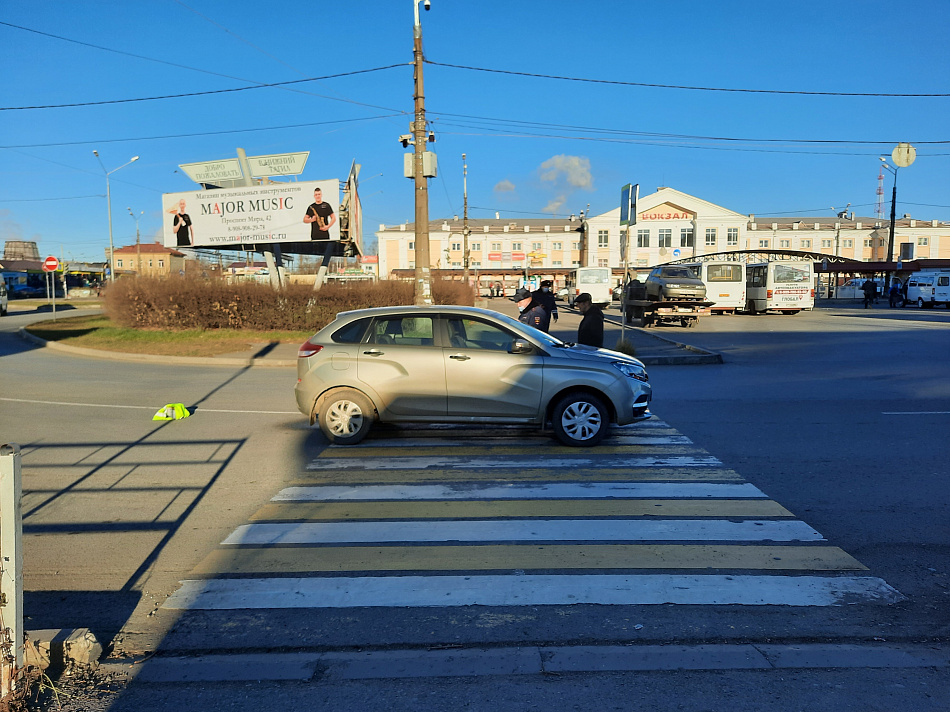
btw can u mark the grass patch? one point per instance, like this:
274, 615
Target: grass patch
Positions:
99, 332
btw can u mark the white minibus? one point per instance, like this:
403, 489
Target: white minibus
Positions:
786, 286
725, 284
593, 280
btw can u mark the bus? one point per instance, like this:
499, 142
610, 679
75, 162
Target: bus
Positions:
786, 286
725, 284
593, 280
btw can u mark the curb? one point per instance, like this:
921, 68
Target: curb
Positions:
698, 356
149, 358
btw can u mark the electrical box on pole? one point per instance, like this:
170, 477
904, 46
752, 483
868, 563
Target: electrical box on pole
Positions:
429, 165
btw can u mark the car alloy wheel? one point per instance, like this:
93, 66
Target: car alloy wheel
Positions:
580, 420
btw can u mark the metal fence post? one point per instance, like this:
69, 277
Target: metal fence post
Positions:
11, 569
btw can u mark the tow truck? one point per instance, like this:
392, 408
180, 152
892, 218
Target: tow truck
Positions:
635, 305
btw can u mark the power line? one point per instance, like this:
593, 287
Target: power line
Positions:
204, 93
678, 86
201, 133
40, 200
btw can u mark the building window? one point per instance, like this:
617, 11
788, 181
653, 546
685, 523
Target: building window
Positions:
476, 264
603, 237
150, 264
763, 243
456, 264
923, 240
161, 263
710, 236
575, 245
456, 246
686, 237
516, 246
806, 243
118, 263
869, 243
557, 246
535, 246
496, 247
576, 263
643, 238
666, 238
826, 243
784, 243
602, 263
412, 246
848, 243
557, 263
477, 246
732, 236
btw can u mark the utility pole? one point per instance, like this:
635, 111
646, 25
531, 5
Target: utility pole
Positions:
465, 230
138, 243
423, 290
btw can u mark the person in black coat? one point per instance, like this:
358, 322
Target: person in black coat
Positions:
545, 297
591, 330
532, 312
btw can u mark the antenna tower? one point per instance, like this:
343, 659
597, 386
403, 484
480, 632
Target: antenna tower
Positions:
879, 209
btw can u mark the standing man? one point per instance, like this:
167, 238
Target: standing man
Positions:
320, 216
869, 289
591, 330
184, 232
545, 297
532, 312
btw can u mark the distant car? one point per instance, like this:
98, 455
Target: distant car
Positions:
25, 291
617, 293
854, 288
4, 298
674, 283
453, 364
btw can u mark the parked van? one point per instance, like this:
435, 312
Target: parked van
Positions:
725, 283
785, 286
928, 289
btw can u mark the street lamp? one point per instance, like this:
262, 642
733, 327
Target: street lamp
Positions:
138, 244
109, 207
902, 156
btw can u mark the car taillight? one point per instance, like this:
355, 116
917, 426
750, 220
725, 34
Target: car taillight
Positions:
768, 293
813, 294
308, 349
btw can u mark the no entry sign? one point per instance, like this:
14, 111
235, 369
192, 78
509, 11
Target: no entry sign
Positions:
50, 264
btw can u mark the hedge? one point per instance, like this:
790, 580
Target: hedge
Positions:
194, 303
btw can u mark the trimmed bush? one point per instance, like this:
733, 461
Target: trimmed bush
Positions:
191, 303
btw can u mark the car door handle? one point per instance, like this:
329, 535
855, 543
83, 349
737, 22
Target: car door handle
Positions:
373, 352
460, 357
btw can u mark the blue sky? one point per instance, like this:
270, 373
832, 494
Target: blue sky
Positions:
535, 146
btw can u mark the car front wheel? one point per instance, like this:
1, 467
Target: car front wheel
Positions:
345, 416
580, 420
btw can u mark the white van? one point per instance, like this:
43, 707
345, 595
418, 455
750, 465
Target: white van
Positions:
725, 283
785, 286
928, 289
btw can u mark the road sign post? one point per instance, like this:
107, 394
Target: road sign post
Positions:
50, 265
629, 195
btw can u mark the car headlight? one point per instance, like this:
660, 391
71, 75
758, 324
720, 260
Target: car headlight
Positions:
631, 370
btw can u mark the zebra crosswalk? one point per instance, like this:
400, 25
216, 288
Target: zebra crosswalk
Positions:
432, 519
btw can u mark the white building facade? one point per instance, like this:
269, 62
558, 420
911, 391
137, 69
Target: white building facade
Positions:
671, 225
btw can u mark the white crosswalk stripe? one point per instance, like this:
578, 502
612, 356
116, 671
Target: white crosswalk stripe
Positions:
449, 517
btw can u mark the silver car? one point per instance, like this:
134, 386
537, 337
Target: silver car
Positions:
452, 364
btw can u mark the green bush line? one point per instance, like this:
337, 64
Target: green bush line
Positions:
197, 304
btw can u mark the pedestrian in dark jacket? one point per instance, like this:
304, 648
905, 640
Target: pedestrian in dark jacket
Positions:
591, 330
532, 312
545, 297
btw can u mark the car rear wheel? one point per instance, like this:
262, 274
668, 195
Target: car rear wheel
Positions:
345, 416
580, 420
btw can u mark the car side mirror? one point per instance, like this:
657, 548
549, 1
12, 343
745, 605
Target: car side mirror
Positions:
519, 346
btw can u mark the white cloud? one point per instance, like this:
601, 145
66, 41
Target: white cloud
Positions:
554, 205
505, 186
575, 170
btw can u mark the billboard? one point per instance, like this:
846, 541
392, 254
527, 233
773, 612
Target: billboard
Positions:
273, 213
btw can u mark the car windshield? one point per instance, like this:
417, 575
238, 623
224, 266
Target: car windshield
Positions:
681, 272
530, 331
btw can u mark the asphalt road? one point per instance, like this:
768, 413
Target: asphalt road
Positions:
840, 416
